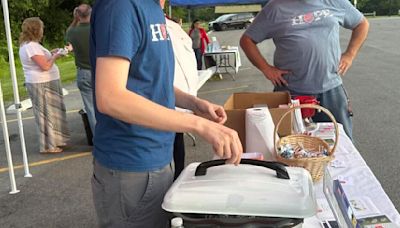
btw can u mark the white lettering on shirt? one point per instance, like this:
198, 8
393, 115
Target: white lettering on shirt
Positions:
159, 32
311, 17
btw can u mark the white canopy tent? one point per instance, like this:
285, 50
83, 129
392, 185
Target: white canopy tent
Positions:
4, 4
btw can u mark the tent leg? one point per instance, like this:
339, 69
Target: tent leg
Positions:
189, 15
15, 86
23, 147
7, 145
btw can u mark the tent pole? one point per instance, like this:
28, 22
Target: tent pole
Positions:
170, 11
7, 145
15, 86
189, 15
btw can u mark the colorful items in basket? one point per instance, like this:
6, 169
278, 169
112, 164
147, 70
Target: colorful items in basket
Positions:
289, 151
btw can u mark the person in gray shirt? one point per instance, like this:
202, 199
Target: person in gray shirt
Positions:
308, 59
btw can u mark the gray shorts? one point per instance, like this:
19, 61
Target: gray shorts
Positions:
130, 199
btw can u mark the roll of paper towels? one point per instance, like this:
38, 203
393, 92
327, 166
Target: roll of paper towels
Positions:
260, 132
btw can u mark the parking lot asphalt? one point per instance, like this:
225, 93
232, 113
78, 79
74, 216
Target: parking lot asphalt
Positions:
59, 193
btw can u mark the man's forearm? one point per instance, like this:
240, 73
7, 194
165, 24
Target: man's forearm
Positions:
357, 38
144, 112
253, 53
113, 99
184, 100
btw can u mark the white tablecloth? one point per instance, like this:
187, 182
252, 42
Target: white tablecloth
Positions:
232, 50
361, 181
204, 75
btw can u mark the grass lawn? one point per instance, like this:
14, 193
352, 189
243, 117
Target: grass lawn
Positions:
67, 71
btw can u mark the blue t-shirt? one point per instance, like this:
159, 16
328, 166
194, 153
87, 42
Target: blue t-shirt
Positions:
306, 36
134, 30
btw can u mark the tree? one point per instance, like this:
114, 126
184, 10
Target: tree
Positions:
204, 13
382, 7
55, 14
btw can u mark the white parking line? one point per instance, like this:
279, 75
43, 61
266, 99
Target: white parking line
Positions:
49, 161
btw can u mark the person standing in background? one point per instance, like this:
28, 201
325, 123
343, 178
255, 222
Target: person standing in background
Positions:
78, 38
200, 41
308, 58
42, 80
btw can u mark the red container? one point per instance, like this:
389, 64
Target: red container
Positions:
307, 112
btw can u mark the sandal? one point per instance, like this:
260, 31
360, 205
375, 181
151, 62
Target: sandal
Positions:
52, 150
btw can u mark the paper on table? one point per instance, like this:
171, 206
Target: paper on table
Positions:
259, 132
298, 119
362, 207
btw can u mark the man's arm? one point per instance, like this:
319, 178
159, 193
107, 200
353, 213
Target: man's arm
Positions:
115, 100
253, 54
358, 37
200, 107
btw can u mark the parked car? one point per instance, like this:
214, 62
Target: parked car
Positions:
240, 20
220, 18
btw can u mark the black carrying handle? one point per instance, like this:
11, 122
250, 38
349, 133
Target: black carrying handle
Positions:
280, 168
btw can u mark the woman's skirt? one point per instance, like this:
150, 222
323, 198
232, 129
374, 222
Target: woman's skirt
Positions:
50, 114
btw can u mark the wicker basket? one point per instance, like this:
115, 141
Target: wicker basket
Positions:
314, 165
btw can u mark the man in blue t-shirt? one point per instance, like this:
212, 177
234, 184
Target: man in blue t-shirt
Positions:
308, 59
133, 67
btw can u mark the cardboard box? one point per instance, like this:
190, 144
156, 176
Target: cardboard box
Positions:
237, 104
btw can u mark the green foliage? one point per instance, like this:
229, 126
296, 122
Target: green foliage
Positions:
204, 14
55, 14
179, 12
382, 7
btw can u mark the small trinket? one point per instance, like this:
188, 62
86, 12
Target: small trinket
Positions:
288, 151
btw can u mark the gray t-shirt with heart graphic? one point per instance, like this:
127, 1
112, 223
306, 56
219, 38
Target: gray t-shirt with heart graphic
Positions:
306, 36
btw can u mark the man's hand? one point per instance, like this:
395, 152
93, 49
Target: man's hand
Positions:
213, 112
345, 63
358, 37
275, 75
207, 123
253, 54
225, 141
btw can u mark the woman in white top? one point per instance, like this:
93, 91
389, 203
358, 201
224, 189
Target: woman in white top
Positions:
42, 80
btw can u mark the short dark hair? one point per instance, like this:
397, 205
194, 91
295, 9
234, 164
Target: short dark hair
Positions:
194, 22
